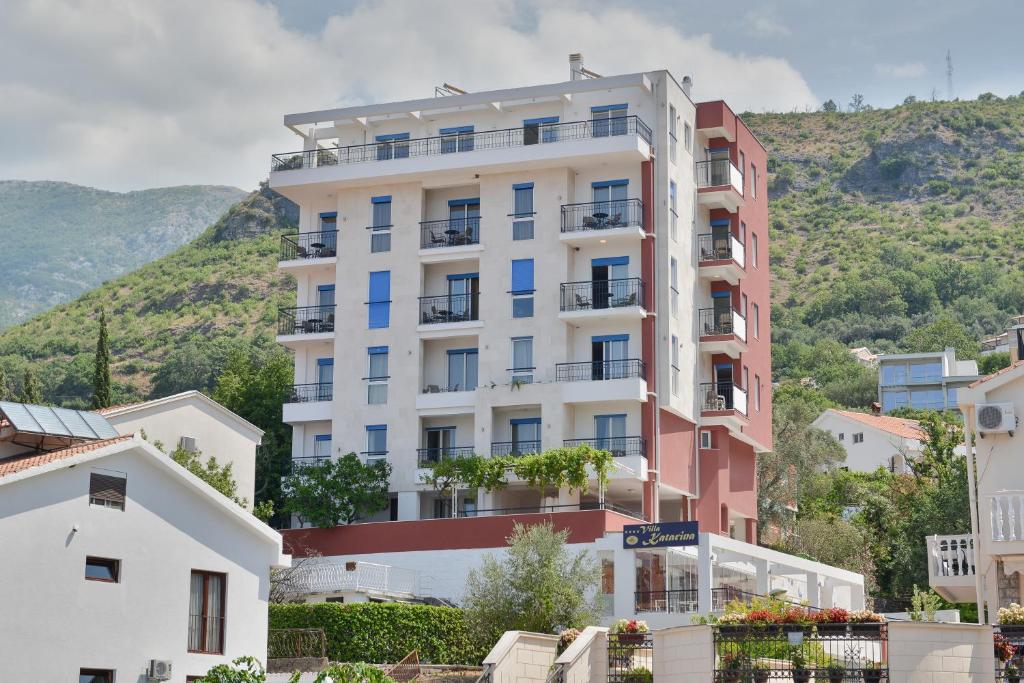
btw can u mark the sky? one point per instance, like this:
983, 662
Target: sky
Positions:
132, 94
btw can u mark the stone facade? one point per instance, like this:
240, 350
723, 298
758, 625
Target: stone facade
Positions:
1008, 585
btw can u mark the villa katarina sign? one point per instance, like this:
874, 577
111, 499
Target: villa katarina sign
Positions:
661, 535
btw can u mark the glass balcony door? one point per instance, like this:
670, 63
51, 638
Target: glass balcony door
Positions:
608, 356
610, 432
463, 291
462, 369
525, 435
609, 281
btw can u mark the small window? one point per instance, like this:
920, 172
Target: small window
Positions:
102, 569
672, 128
746, 378
675, 365
705, 439
522, 360
107, 491
687, 137
377, 375
743, 165
95, 676
337, 599
522, 211
757, 393
322, 446
673, 209
206, 610
674, 286
753, 248
376, 443
757, 321
753, 181
380, 235
858, 437
743, 304
840, 436
379, 301
522, 288
457, 139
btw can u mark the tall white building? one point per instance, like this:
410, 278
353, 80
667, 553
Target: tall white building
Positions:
514, 270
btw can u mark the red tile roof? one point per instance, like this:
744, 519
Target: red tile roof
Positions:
20, 463
908, 429
996, 374
114, 409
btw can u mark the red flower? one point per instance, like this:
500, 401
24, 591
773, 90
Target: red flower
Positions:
1004, 649
832, 615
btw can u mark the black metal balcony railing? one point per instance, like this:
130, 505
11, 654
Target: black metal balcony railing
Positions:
308, 393
600, 370
308, 461
716, 321
714, 247
534, 509
427, 457
450, 232
514, 447
619, 446
306, 245
717, 396
601, 294
449, 308
531, 134
305, 320
717, 172
622, 213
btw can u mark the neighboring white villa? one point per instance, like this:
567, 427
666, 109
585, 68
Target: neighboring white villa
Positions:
122, 565
195, 421
873, 441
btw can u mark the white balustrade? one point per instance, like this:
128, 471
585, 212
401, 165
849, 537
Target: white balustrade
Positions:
739, 399
951, 555
1007, 516
738, 251
334, 577
739, 326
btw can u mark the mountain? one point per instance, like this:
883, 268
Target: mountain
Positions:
61, 240
881, 222
171, 321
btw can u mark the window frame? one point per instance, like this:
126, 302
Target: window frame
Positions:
756, 311
114, 564
110, 503
379, 310
687, 137
673, 210
673, 129
111, 674
708, 444
674, 365
375, 455
319, 439
753, 245
517, 373
204, 616
753, 181
757, 393
380, 229
521, 218
376, 381
520, 296
673, 266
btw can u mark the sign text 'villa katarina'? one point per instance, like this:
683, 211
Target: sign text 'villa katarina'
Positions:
659, 535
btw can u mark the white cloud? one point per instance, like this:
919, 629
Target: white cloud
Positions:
901, 71
123, 95
763, 22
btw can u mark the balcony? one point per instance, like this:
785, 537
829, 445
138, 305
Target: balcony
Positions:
309, 248
618, 446
308, 461
602, 221
719, 185
597, 381
514, 447
449, 314
620, 299
951, 567
308, 403
532, 145
449, 237
721, 257
428, 457
723, 404
306, 323
722, 330
1007, 517
446, 400
324, 576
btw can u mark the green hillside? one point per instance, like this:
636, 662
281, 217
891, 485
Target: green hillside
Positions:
61, 240
172, 321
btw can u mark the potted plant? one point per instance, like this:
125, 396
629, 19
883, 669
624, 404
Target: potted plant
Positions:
730, 667
630, 631
1004, 649
1011, 673
1011, 619
866, 622
835, 672
731, 622
872, 672
761, 672
638, 675
566, 638
832, 621
801, 674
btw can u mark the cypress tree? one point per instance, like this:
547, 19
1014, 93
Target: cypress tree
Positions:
30, 390
101, 397
5, 391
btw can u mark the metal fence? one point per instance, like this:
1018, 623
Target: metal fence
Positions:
602, 294
588, 371
716, 321
515, 447
449, 308
630, 656
450, 232
528, 134
1009, 650
308, 393
836, 653
308, 461
714, 247
306, 245
427, 457
620, 213
305, 320
716, 172
619, 446
294, 643
717, 396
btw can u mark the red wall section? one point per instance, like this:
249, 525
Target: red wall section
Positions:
716, 114
678, 466
445, 534
728, 478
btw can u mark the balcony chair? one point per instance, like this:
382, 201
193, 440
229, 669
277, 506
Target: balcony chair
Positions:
308, 327
467, 237
582, 302
707, 254
615, 221
434, 239
432, 389
329, 323
714, 400
303, 253
589, 222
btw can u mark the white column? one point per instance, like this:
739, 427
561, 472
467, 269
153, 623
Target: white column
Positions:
704, 570
856, 596
408, 505
625, 583
763, 576
826, 593
813, 591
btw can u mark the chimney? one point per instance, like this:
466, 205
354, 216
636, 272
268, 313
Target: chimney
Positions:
687, 84
576, 67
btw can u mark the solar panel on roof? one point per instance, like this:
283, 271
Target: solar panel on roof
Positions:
56, 421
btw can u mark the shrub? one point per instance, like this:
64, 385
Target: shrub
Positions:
385, 632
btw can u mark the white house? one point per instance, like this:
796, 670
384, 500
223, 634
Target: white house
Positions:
873, 441
196, 422
117, 556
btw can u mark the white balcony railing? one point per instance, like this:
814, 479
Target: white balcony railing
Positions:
739, 326
332, 577
1007, 516
739, 399
719, 172
950, 556
738, 251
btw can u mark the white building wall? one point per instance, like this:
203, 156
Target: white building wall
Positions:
877, 448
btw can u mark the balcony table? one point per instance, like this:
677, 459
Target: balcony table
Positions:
451, 232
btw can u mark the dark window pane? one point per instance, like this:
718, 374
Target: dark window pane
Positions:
98, 569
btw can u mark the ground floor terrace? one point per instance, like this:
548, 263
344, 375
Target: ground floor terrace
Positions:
664, 585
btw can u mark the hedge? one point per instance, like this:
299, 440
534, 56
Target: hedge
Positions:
382, 633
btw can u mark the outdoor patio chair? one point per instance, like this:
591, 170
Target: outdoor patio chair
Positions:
714, 400
435, 239
582, 302
433, 389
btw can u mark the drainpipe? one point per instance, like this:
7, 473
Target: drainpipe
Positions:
973, 498
656, 497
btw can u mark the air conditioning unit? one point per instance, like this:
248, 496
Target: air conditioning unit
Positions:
995, 417
188, 444
159, 670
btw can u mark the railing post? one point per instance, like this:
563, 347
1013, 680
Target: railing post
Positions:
704, 578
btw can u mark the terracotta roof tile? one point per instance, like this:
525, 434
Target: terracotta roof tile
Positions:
996, 374
114, 409
908, 429
19, 463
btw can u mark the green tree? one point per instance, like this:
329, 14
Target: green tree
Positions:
189, 366
857, 103
940, 335
101, 394
255, 384
537, 585
213, 473
337, 491
993, 362
829, 106
30, 388
5, 391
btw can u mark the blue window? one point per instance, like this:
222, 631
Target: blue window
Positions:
393, 146
522, 288
380, 237
325, 297
328, 237
608, 120
376, 443
462, 369
377, 375
379, 299
322, 446
525, 435
324, 379
610, 433
458, 139
544, 129
522, 211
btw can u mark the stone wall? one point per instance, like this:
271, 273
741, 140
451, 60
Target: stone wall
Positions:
1008, 585
522, 657
586, 659
923, 652
684, 653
